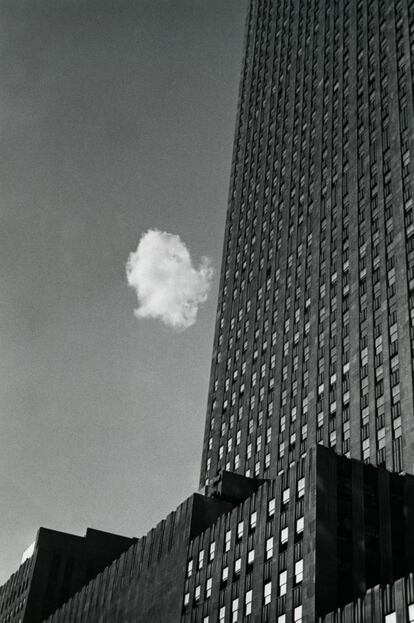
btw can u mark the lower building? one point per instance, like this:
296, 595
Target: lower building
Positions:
316, 537
290, 550
393, 603
59, 565
146, 582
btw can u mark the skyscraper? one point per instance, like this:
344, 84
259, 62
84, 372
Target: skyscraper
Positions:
314, 334
311, 388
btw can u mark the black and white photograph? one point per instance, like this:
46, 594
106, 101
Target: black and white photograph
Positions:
207, 311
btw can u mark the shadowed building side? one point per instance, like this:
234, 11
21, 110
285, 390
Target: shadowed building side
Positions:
146, 582
392, 603
282, 551
59, 566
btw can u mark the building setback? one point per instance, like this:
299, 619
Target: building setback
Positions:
146, 583
309, 432
311, 540
314, 538
60, 565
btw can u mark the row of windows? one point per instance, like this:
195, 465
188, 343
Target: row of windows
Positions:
235, 614
248, 597
259, 216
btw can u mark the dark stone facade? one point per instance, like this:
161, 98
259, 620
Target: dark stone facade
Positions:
346, 524
60, 565
146, 583
364, 529
315, 324
392, 603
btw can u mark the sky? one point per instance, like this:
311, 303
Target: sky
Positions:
117, 118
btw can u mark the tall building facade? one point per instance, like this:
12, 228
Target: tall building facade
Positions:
314, 334
307, 505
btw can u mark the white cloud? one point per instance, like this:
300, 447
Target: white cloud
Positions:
167, 285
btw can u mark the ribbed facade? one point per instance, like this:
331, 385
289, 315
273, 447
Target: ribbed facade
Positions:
393, 603
14, 593
313, 539
314, 332
61, 564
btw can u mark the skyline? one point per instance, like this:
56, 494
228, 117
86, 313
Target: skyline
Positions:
102, 143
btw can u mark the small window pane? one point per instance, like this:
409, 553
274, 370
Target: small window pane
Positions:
282, 583
284, 535
267, 592
248, 602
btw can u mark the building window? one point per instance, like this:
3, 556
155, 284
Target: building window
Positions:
297, 614
235, 610
253, 520
222, 614
298, 571
281, 618
269, 548
189, 568
197, 592
299, 525
227, 541
240, 527
284, 535
250, 557
237, 566
225, 574
267, 593
282, 583
365, 451
212, 551
248, 602
186, 599
301, 487
286, 496
200, 559
411, 613
391, 618
271, 508
209, 585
